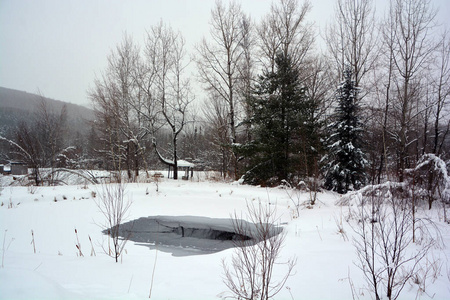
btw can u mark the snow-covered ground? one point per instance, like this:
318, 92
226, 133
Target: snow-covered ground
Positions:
325, 266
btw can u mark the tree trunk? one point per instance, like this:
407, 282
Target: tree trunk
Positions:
175, 160
402, 149
129, 160
136, 161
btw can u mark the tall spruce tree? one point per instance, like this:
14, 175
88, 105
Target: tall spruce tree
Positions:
278, 105
344, 165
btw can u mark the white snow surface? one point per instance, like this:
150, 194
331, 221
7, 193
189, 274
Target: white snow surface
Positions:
325, 261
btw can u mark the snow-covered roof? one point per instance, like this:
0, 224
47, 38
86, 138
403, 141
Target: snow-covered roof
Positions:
184, 163
180, 163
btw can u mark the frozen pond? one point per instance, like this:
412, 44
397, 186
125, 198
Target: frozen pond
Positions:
187, 235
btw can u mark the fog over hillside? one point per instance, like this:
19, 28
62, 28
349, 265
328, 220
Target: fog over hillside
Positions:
22, 112
19, 106
21, 100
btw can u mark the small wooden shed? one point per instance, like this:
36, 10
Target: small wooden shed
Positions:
187, 167
182, 165
18, 168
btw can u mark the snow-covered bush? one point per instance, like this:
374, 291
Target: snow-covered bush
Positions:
430, 179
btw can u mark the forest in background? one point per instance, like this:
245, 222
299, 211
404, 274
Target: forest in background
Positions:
276, 107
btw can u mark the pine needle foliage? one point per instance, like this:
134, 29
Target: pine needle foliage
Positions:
344, 164
278, 104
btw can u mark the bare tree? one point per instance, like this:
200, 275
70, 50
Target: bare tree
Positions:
119, 104
114, 207
384, 239
246, 69
250, 273
441, 88
319, 89
146, 78
381, 106
218, 133
106, 123
285, 30
167, 57
268, 43
351, 39
320, 85
49, 128
218, 62
411, 53
39, 141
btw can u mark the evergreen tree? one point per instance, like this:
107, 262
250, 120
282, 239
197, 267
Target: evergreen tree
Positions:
278, 105
345, 163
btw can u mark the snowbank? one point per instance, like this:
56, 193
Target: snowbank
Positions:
56, 271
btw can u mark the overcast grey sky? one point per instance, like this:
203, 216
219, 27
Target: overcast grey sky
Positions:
57, 47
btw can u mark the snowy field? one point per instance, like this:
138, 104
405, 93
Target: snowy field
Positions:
325, 266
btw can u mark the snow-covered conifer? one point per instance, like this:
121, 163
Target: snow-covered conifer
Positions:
344, 165
278, 106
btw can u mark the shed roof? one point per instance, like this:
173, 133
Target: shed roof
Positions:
184, 163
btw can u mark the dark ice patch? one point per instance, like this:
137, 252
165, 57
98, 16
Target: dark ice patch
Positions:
188, 235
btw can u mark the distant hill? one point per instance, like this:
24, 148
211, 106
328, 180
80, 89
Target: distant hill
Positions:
18, 106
